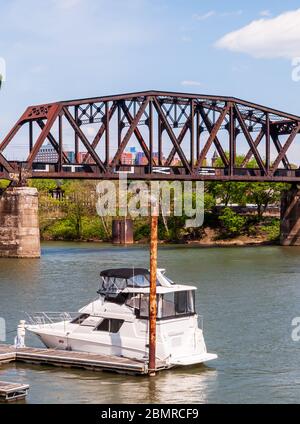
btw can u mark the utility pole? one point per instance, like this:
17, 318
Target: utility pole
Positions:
152, 298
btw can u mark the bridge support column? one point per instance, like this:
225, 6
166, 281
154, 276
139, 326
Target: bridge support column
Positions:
19, 223
290, 217
122, 231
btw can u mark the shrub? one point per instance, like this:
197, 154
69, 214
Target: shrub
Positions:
232, 222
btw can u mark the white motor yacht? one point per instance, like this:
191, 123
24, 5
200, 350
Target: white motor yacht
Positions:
116, 322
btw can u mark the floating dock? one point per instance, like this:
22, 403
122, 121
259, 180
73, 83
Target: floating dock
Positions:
12, 391
72, 359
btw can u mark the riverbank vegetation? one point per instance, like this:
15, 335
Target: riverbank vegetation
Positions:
74, 216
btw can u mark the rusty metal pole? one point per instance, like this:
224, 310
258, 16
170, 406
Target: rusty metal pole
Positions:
152, 297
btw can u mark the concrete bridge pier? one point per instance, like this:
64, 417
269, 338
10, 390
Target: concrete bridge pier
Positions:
19, 223
290, 217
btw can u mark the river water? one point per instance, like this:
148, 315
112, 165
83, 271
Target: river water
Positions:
248, 297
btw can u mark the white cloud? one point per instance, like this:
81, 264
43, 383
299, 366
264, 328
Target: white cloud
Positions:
204, 16
266, 38
265, 13
191, 83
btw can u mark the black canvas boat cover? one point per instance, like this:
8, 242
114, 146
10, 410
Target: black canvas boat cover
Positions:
124, 272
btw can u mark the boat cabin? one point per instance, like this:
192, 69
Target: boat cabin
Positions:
131, 287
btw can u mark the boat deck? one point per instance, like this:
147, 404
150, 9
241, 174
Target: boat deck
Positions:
64, 358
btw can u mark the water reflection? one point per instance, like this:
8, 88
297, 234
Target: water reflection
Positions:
74, 386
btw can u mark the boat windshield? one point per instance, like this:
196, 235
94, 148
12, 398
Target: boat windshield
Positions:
116, 280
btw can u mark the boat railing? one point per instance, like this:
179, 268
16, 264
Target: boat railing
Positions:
42, 318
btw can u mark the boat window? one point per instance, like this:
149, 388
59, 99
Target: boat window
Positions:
79, 320
138, 281
132, 300
169, 305
110, 325
91, 321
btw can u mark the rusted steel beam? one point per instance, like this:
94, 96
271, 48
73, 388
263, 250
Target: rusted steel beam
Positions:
150, 126
198, 133
105, 125
250, 141
192, 132
30, 136
83, 139
231, 138
184, 96
60, 143
285, 148
52, 116
159, 140
180, 138
172, 135
291, 176
52, 140
278, 146
249, 154
173, 110
212, 136
129, 133
137, 132
267, 140
10, 136
209, 125
6, 165
76, 138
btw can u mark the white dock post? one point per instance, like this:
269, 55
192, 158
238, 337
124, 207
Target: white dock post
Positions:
20, 338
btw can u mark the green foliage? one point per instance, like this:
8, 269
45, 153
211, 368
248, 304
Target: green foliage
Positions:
228, 192
75, 217
66, 229
92, 229
263, 194
4, 184
209, 202
232, 222
272, 229
43, 185
142, 231
62, 229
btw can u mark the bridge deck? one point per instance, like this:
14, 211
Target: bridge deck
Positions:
63, 358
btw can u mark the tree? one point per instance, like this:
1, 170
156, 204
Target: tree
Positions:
230, 191
263, 195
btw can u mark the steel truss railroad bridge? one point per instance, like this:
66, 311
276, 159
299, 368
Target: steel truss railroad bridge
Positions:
182, 128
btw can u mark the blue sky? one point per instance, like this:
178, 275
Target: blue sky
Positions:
65, 49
